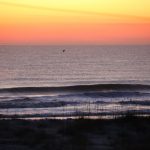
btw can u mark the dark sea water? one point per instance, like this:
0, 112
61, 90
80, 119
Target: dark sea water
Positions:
45, 81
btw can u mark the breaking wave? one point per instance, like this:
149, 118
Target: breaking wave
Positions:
68, 100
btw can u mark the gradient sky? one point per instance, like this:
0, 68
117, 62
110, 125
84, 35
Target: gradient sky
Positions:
75, 22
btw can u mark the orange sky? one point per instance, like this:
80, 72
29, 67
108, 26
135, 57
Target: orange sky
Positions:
75, 22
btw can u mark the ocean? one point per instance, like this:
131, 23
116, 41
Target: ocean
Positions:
45, 81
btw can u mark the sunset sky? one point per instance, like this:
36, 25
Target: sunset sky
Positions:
74, 21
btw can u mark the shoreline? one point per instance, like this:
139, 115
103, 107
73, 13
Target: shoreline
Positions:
78, 115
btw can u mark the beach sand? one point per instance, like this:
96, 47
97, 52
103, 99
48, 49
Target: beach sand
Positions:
126, 133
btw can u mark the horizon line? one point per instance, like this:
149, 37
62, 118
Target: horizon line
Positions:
73, 44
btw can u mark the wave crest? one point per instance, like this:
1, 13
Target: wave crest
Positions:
76, 88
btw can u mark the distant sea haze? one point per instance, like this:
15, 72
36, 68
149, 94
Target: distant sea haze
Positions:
74, 80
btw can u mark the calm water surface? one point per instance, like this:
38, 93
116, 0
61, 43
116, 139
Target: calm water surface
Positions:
49, 66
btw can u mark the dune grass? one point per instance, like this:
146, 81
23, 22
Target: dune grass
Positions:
125, 133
